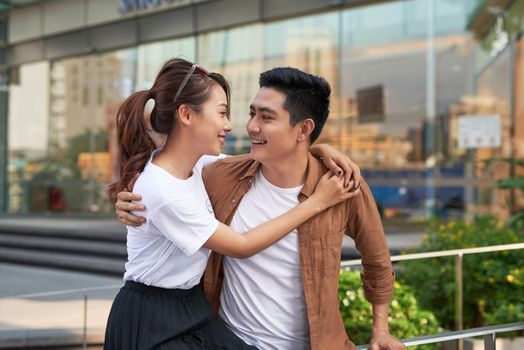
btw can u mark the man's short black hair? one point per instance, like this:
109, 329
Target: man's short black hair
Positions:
307, 96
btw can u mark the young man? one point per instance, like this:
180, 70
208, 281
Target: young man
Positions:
286, 297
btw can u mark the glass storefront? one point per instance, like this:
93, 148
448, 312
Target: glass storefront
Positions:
393, 110
28, 136
237, 54
62, 132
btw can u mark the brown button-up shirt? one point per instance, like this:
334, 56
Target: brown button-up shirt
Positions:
320, 242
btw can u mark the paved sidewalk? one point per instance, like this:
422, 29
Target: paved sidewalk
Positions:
37, 318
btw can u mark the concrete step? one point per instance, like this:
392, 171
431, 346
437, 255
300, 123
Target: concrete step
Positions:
94, 245
64, 245
82, 233
67, 261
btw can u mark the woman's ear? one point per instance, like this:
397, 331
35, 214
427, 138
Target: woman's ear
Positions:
184, 114
306, 128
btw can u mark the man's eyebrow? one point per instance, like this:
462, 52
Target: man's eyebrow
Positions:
264, 109
222, 104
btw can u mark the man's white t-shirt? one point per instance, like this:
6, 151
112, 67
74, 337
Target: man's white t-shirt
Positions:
167, 250
262, 298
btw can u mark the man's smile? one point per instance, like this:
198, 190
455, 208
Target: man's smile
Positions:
257, 141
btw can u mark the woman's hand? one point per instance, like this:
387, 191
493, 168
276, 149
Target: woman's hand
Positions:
338, 163
126, 203
331, 190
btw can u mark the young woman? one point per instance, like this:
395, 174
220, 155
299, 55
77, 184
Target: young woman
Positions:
161, 305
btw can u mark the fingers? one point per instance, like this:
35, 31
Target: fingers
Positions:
388, 342
349, 185
343, 185
128, 196
340, 167
347, 191
129, 219
129, 206
351, 194
328, 175
335, 169
356, 173
347, 170
126, 203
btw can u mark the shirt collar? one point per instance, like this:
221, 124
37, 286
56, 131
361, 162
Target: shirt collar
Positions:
251, 171
313, 172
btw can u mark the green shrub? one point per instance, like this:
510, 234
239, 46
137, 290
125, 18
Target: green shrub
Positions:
406, 318
493, 282
512, 183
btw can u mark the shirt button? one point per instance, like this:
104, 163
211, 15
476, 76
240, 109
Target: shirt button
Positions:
233, 200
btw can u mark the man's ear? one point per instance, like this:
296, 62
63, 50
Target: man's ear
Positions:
184, 114
306, 128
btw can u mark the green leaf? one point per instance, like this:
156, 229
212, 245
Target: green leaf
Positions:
511, 182
518, 162
517, 220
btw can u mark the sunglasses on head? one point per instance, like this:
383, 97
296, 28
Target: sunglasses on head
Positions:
194, 67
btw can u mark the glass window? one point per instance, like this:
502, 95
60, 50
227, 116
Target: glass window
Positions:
62, 144
62, 136
3, 30
385, 124
518, 114
310, 44
519, 98
152, 56
237, 54
28, 138
493, 97
86, 92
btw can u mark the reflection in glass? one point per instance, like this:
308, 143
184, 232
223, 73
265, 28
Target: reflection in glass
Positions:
237, 54
493, 97
385, 127
62, 137
28, 136
61, 158
309, 44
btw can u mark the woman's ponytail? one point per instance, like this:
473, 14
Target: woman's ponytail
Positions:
135, 145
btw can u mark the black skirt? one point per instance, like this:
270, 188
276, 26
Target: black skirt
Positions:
144, 317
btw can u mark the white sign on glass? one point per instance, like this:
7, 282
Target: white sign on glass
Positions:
479, 131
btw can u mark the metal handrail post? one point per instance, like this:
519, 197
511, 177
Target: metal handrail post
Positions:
490, 342
84, 345
459, 297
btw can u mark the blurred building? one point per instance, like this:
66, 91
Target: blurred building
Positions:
402, 74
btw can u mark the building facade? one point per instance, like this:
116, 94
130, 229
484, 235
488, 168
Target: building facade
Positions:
404, 74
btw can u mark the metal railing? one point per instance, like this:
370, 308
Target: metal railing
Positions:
459, 254
489, 334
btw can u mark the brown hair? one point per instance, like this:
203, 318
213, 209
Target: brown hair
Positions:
135, 145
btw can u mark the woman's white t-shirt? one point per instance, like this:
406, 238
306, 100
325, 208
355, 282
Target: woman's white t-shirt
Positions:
167, 250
